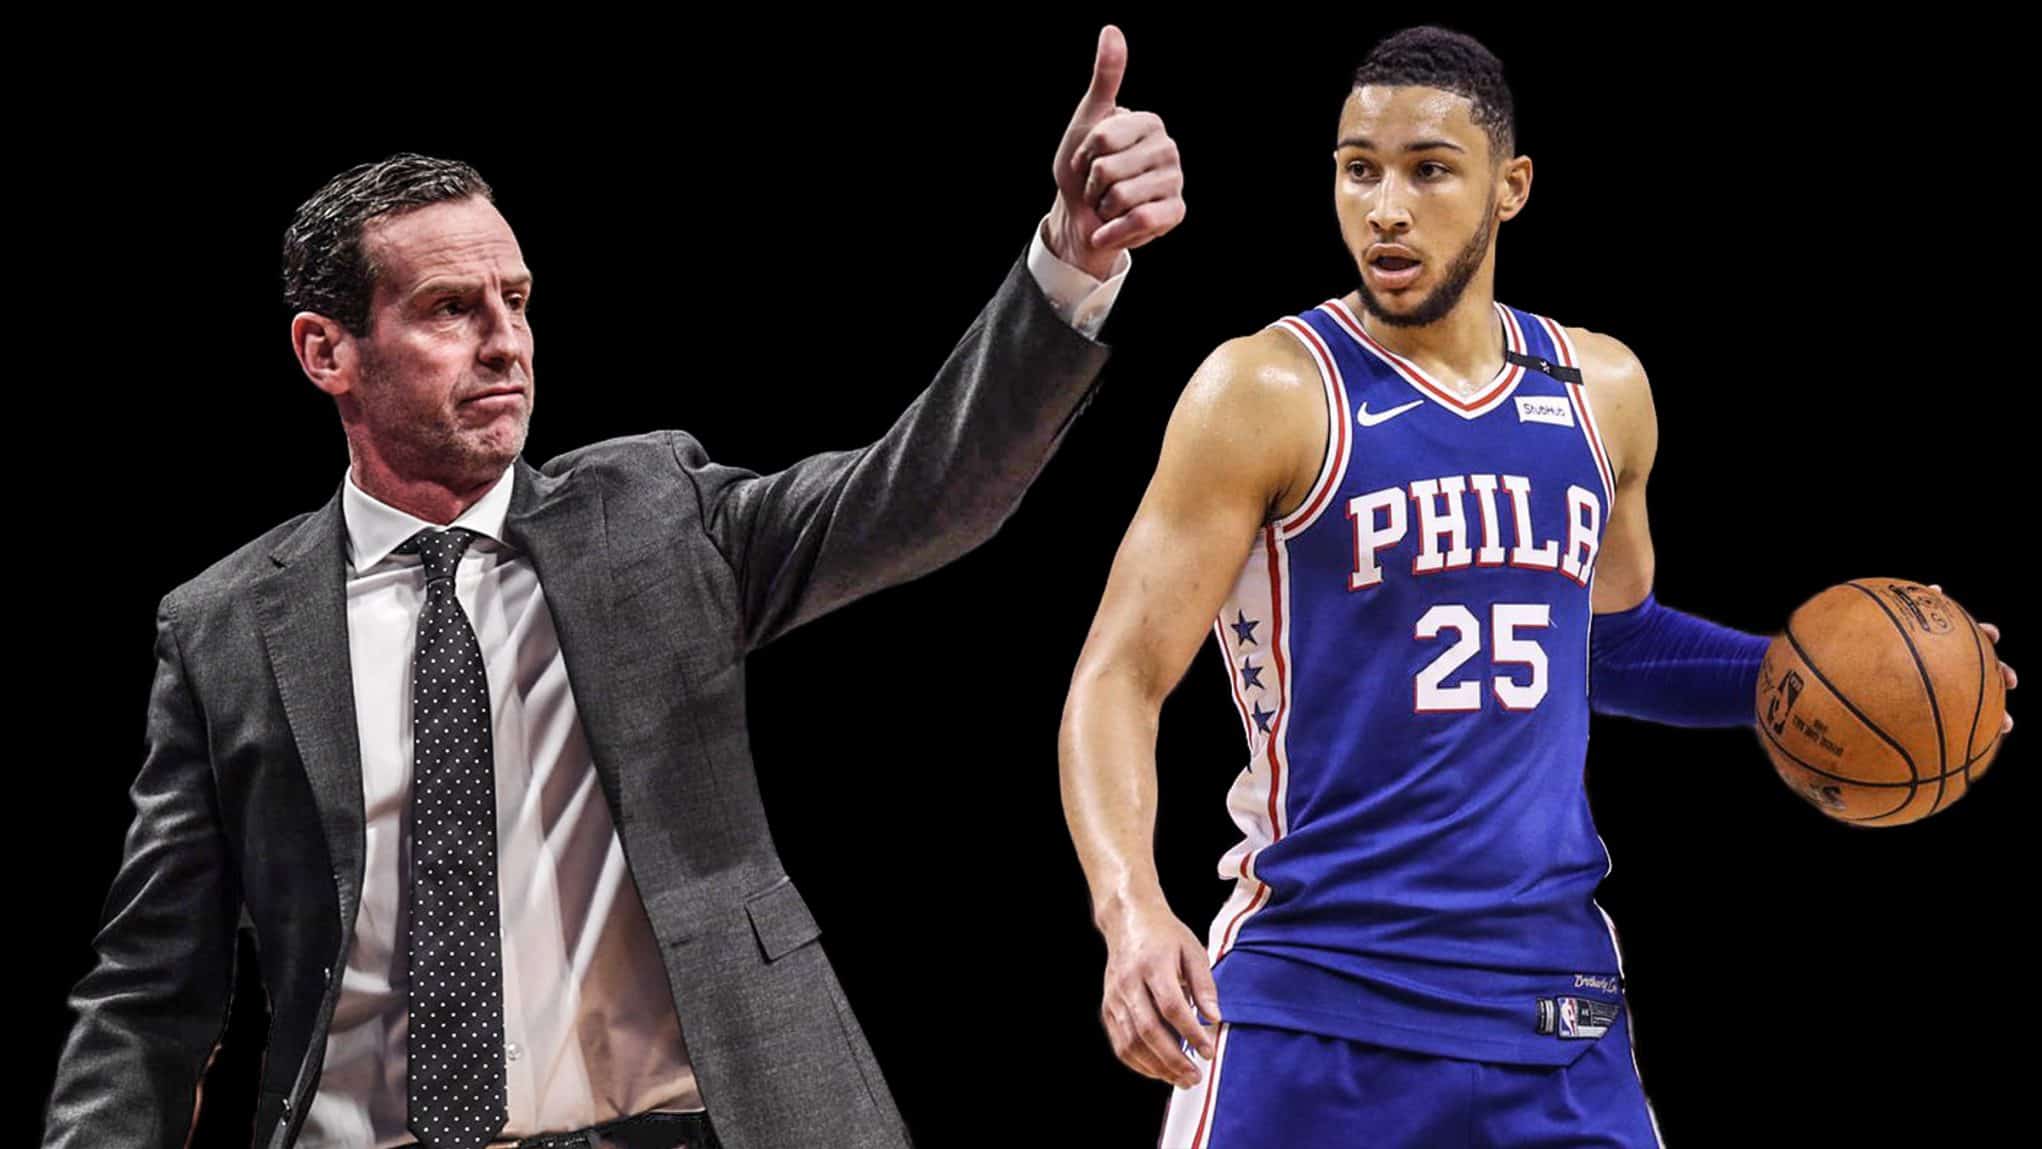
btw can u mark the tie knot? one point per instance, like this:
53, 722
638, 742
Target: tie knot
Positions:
440, 550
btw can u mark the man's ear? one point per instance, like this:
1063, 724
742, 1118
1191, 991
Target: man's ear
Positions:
1517, 181
326, 351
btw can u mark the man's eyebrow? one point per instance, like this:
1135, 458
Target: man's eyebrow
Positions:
446, 286
443, 286
1366, 144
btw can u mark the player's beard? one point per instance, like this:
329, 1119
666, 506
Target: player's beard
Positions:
1458, 275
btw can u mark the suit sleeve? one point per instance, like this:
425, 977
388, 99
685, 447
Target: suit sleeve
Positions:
840, 525
151, 1011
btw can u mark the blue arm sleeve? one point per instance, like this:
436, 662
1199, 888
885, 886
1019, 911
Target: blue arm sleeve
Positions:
1661, 665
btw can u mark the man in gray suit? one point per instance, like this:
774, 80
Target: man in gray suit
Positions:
466, 749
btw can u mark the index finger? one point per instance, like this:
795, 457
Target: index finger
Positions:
1175, 1006
1116, 133
1157, 1039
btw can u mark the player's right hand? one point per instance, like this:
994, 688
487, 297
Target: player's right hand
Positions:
1158, 981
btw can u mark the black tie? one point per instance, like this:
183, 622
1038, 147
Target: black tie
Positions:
455, 1085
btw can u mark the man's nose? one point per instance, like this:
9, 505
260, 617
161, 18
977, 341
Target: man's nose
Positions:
502, 337
1390, 214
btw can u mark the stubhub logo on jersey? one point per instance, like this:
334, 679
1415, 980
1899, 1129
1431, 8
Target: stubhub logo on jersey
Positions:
1544, 409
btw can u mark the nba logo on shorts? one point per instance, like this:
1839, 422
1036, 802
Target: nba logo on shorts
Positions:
1569, 1027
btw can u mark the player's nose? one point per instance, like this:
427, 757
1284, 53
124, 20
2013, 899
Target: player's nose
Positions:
1388, 212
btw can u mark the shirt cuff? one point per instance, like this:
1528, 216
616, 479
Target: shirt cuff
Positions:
1081, 300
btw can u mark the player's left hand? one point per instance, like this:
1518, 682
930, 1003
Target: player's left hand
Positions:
1119, 183
2006, 722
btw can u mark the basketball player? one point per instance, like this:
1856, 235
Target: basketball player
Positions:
1394, 514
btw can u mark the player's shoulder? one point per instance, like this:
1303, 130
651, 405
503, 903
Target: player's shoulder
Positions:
1251, 418
1620, 395
1265, 371
1607, 363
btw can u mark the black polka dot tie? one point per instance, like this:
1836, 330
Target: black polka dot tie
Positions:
455, 1086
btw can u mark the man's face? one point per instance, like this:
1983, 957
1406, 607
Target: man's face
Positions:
1416, 191
444, 390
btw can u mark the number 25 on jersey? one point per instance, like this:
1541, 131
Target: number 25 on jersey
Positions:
1506, 620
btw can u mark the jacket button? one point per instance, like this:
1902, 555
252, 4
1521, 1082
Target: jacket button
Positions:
287, 1106
326, 974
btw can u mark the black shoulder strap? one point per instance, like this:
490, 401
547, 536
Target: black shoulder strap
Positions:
1538, 363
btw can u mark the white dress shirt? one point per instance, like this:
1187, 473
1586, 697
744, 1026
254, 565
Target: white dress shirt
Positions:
590, 1032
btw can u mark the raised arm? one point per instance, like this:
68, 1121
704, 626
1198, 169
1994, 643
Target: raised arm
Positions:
151, 1010
953, 467
940, 481
1242, 448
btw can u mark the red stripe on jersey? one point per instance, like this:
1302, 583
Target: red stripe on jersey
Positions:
1602, 463
1416, 375
1282, 683
1240, 703
1336, 397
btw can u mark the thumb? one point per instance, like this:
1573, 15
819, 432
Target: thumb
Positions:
1107, 67
1204, 991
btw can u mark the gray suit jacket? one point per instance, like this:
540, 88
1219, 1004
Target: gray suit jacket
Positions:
662, 570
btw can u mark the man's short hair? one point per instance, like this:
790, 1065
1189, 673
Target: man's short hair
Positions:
326, 269
1435, 57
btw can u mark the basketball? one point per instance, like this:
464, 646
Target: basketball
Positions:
1881, 702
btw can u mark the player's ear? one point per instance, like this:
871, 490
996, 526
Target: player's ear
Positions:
1514, 181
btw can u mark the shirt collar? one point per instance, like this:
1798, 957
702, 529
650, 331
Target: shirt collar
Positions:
375, 528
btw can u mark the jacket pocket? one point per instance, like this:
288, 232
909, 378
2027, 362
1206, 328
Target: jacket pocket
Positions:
781, 920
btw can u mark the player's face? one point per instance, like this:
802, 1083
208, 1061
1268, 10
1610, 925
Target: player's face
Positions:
444, 388
1419, 196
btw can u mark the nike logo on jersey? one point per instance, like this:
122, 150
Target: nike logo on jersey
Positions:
1362, 416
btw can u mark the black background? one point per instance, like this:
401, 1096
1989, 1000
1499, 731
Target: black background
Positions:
771, 235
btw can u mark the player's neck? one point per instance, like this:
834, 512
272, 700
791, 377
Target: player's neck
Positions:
1463, 349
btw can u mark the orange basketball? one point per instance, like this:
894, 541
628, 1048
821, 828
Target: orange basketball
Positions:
1881, 703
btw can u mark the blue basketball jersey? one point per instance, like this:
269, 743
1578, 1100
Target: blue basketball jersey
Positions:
1408, 652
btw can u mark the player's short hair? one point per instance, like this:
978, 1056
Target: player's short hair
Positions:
326, 269
1435, 57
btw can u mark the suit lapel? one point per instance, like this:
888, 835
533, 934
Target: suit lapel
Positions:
303, 609
559, 522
